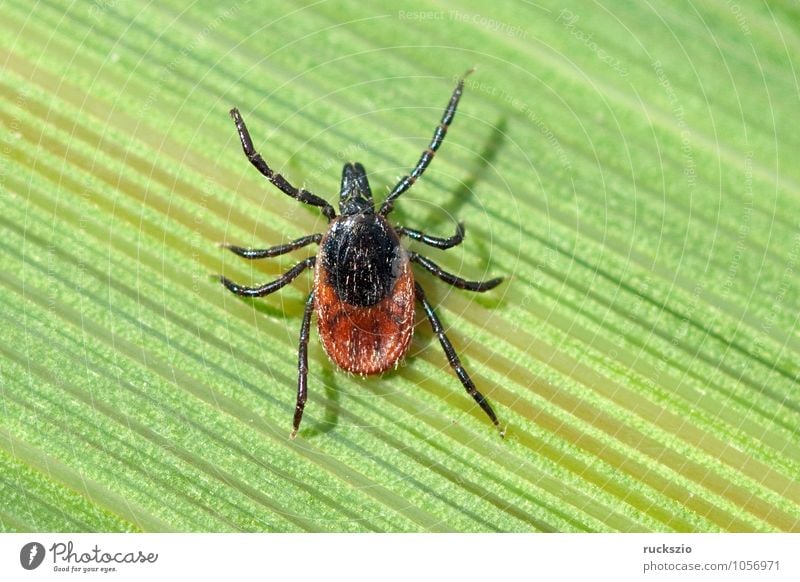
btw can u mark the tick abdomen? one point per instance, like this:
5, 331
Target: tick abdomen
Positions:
364, 292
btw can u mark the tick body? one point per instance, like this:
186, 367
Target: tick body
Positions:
364, 291
364, 288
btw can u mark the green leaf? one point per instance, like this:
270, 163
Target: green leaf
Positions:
627, 167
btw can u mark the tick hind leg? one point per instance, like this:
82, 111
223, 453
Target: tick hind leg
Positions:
452, 358
302, 365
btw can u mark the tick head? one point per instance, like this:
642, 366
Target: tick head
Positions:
355, 196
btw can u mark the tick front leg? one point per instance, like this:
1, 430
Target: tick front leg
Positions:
279, 181
272, 286
452, 358
424, 161
434, 241
479, 286
302, 365
273, 251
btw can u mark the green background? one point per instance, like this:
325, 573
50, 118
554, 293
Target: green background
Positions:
629, 167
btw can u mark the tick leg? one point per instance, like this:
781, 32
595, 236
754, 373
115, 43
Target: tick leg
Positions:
438, 137
255, 158
268, 288
452, 279
302, 366
434, 241
452, 358
273, 251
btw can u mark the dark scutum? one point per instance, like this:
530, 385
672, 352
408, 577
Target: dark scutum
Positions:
362, 258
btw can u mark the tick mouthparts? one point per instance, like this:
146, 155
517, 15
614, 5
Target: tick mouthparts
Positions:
355, 195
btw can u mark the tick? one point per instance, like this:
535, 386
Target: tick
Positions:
364, 289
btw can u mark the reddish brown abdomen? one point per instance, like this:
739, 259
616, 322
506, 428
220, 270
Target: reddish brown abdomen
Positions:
365, 340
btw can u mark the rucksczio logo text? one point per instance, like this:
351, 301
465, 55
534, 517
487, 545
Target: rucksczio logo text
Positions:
491, 24
665, 549
569, 20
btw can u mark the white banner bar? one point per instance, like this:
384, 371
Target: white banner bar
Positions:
401, 557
